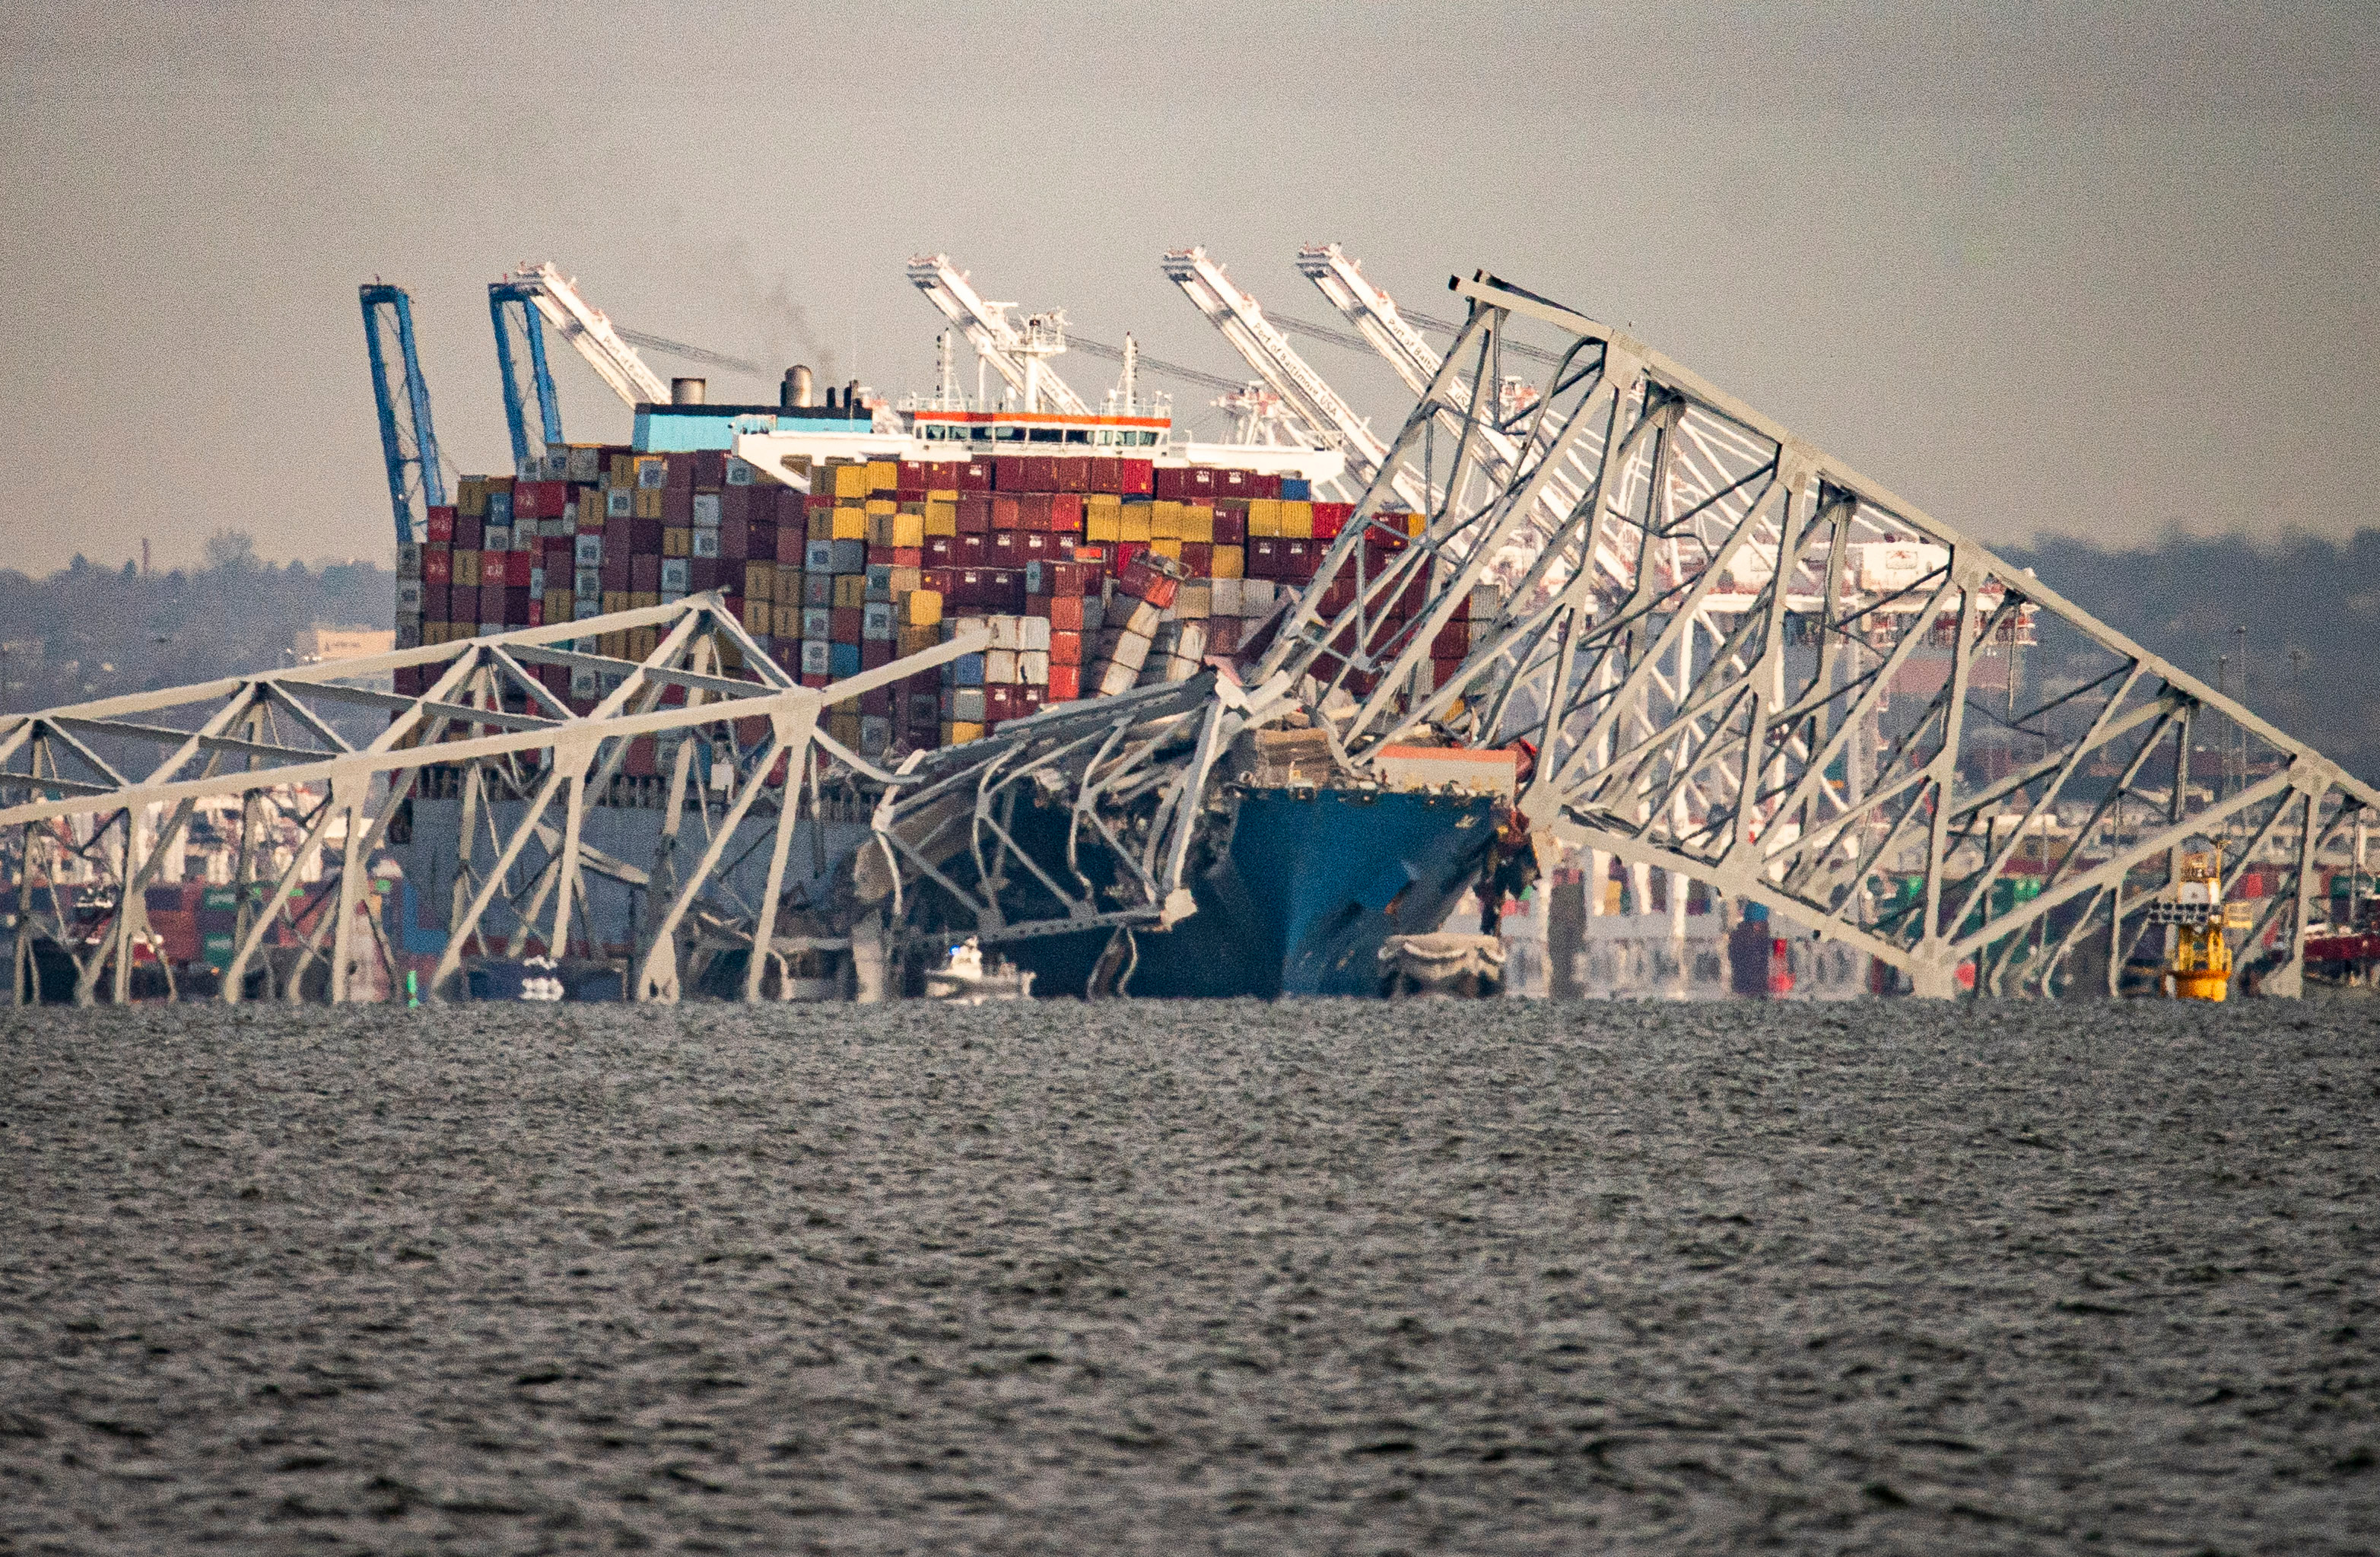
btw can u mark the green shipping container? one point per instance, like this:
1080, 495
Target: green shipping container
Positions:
218, 949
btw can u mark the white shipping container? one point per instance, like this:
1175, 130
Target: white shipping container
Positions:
675, 574
1033, 634
619, 503
1000, 667
706, 510
1007, 632
1033, 667
1131, 650
1223, 597
706, 542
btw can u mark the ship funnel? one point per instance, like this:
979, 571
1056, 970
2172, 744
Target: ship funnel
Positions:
797, 390
687, 391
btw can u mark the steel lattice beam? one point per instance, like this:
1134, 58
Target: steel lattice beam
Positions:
1787, 701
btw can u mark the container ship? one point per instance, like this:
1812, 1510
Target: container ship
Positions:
1101, 555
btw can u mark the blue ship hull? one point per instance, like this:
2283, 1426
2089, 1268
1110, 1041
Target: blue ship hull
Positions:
1312, 884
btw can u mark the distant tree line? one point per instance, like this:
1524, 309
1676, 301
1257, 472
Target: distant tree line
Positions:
2311, 608
87, 631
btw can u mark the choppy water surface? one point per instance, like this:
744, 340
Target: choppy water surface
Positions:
1233, 1278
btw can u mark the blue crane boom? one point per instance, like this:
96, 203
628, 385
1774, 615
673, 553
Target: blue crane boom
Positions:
408, 442
520, 359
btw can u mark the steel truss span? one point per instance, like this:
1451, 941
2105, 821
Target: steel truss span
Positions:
317, 753
1801, 690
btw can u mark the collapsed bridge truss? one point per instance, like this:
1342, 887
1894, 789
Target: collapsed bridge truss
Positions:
1806, 692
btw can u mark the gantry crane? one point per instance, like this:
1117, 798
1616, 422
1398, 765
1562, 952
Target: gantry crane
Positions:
1242, 323
408, 442
520, 362
1020, 356
556, 296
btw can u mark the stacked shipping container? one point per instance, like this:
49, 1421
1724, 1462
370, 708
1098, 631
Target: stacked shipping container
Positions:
1090, 574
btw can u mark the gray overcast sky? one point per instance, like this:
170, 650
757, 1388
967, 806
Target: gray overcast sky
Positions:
2098, 270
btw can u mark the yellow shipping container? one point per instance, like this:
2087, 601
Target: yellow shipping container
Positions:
1166, 546
614, 600
1197, 523
1416, 524
677, 541
908, 529
467, 570
1102, 524
471, 497
942, 519
917, 640
1264, 518
1164, 520
557, 606
818, 525
850, 591
644, 599
942, 495
902, 580
850, 524
786, 621
882, 506
879, 527
1296, 519
760, 583
1135, 524
883, 475
955, 733
1229, 562
756, 616
616, 645
624, 471
843, 727
922, 608
850, 480
642, 641
649, 503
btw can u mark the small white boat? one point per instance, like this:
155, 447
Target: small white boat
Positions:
966, 980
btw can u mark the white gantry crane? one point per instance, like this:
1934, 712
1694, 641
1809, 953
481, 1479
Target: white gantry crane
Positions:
1242, 323
1020, 356
1374, 314
585, 327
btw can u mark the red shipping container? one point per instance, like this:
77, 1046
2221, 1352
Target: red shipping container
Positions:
1377, 539
470, 533
1006, 588
1008, 548
908, 556
1265, 485
999, 702
1107, 475
880, 556
1032, 513
1029, 699
1040, 472
1199, 484
790, 546
875, 653
645, 572
1232, 483
617, 574
1007, 513
1073, 473
1033, 543
1066, 512
1068, 576
1339, 594
518, 603
1135, 479
819, 503
844, 624
1330, 519
1453, 642
909, 475
702, 573
973, 550
677, 507
1126, 553
940, 550
1264, 557
1173, 483
1199, 558
1297, 559
813, 679
1222, 635
538, 500
1066, 644
437, 563
1065, 614
640, 760
875, 701
974, 513
645, 535
441, 523
1008, 472
735, 503
943, 581
735, 537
